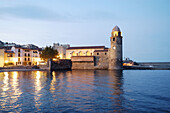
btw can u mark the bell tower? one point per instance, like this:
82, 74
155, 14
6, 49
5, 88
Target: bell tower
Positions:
115, 51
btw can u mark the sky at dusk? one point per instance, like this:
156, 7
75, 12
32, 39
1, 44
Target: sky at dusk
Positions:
145, 24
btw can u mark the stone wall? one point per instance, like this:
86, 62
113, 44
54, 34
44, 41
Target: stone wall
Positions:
98, 61
115, 53
82, 62
101, 60
61, 65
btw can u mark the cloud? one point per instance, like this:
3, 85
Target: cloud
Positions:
41, 13
30, 12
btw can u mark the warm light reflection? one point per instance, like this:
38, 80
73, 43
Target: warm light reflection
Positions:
53, 82
75, 77
5, 81
38, 76
38, 83
4, 89
16, 90
15, 75
38, 87
116, 79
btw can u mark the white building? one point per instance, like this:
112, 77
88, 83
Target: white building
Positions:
61, 48
20, 55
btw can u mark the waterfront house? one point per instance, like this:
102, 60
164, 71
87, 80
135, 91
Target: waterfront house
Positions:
19, 55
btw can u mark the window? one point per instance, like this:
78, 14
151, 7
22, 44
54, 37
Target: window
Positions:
113, 39
10, 55
19, 50
35, 52
25, 59
119, 33
28, 59
18, 59
105, 53
19, 55
28, 54
97, 53
25, 54
27, 51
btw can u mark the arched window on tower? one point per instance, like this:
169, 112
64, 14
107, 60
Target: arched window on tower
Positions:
88, 53
80, 53
119, 33
73, 53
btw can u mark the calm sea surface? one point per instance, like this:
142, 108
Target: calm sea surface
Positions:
85, 91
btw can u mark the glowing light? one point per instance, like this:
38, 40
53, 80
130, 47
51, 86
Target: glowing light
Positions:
38, 59
15, 75
5, 88
16, 90
38, 87
54, 59
15, 59
38, 75
6, 61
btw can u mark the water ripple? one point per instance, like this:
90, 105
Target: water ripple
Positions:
85, 91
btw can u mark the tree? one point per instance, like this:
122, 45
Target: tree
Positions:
49, 53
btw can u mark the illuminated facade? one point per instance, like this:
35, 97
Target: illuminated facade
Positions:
19, 55
83, 51
61, 48
2, 60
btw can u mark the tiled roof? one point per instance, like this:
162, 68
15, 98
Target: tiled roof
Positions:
87, 47
106, 50
116, 28
19, 46
6, 47
9, 52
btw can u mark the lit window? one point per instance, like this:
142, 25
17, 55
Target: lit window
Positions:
114, 47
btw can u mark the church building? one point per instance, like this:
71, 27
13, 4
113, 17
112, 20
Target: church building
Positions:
98, 57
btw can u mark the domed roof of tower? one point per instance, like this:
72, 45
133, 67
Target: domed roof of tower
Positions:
116, 28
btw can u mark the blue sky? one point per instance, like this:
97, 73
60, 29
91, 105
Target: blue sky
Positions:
144, 24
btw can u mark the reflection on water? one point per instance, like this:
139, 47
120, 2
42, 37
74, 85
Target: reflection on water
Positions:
69, 91
5, 88
38, 88
16, 90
